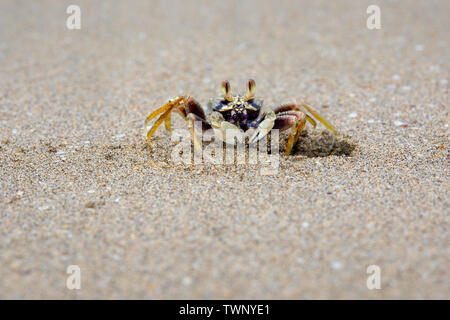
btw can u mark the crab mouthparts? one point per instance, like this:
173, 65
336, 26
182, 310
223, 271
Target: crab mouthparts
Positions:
239, 115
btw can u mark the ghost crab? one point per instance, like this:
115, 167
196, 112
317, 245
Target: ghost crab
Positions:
239, 113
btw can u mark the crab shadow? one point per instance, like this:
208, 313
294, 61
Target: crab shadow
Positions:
321, 144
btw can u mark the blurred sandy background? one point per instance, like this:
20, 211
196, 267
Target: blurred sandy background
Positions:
78, 186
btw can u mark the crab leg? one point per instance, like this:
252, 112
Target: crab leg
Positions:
300, 126
311, 120
191, 119
320, 118
187, 107
288, 108
168, 123
164, 108
158, 123
297, 124
295, 110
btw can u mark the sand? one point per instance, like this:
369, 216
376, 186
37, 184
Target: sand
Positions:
79, 186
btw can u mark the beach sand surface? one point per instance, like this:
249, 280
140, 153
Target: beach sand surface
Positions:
79, 185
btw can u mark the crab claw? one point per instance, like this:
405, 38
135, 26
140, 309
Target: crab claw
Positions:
222, 127
264, 127
216, 119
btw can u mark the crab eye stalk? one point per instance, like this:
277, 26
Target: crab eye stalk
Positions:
226, 90
250, 89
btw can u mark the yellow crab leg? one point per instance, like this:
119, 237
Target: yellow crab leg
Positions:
311, 120
320, 118
167, 123
157, 112
158, 122
164, 108
293, 137
300, 127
